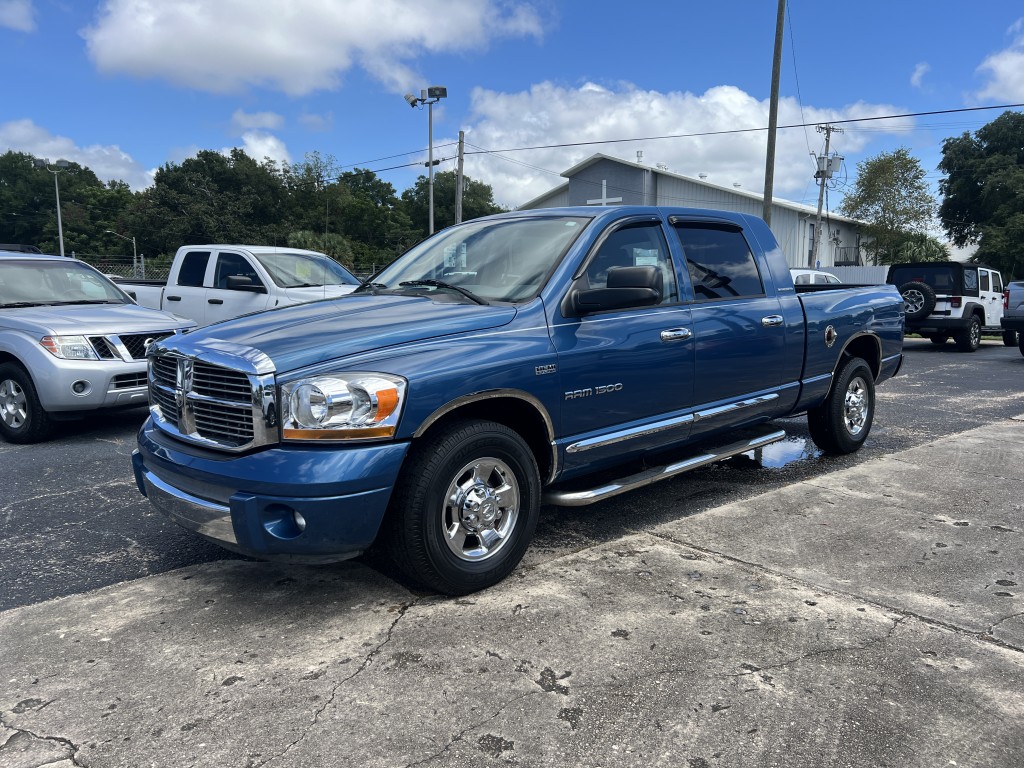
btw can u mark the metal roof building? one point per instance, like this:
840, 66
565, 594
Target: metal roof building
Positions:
605, 180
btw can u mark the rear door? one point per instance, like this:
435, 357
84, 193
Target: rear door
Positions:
739, 330
990, 287
185, 294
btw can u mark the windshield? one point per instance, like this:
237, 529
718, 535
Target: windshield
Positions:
497, 260
294, 270
37, 282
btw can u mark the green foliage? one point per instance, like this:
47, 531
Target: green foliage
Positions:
353, 216
335, 246
892, 198
983, 192
477, 201
921, 247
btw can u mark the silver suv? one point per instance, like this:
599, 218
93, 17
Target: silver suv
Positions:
70, 341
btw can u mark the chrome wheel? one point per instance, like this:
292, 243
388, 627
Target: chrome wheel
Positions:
13, 404
975, 331
856, 407
913, 301
480, 510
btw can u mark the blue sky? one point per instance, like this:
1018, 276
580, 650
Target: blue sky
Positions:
124, 86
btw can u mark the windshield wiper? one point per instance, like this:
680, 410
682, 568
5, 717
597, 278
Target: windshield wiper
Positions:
368, 284
27, 304
448, 286
85, 301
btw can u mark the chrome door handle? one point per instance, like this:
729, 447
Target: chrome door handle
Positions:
676, 334
772, 321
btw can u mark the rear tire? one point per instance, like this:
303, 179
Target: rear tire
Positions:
969, 339
1020, 343
465, 508
841, 424
938, 339
22, 418
1009, 338
918, 300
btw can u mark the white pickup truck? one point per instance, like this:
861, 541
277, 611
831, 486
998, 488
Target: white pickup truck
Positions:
209, 283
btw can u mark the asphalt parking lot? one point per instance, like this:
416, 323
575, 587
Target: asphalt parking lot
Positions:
783, 609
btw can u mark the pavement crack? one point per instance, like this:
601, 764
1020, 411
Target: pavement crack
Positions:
72, 748
1004, 619
373, 654
985, 636
457, 737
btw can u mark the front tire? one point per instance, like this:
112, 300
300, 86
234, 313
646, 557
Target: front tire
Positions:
969, 339
938, 339
465, 508
841, 424
22, 418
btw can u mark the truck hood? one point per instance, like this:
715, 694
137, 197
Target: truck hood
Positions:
90, 320
306, 334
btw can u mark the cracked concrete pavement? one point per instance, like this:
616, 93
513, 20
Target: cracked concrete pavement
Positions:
868, 617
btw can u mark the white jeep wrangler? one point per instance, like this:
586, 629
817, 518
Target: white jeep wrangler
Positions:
946, 299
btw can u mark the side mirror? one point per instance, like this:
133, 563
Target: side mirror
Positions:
244, 283
627, 287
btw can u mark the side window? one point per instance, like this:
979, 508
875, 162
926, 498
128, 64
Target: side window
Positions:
820, 279
803, 279
193, 268
970, 281
719, 260
634, 246
232, 265
997, 282
983, 276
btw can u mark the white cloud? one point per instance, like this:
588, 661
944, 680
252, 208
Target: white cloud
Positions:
922, 69
108, 162
269, 121
1005, 69
295, 46
260, 144
17, 15
550, 114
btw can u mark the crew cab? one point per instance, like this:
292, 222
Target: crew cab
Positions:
70, 342
562, 356
209, 283
947, 298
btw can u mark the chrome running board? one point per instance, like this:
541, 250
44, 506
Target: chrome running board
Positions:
709, 455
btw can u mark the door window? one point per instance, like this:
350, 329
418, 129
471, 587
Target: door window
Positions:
983, 275
233, 265
997, 282
193, 268
719, 261
639, 245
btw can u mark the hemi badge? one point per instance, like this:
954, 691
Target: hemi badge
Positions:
540, 370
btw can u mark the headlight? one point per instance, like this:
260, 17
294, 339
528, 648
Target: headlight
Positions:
69, 347
343, 406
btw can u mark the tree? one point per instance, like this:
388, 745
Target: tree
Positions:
477, 200
892, 198
983, 192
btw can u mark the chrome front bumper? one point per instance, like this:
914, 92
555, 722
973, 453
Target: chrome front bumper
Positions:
206, 518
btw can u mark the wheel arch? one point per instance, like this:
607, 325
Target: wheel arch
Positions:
866, 346
519, 411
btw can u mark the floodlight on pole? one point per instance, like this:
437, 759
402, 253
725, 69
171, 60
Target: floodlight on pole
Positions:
62, 165
429, 96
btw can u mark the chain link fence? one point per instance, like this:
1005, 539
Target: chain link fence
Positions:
126, 266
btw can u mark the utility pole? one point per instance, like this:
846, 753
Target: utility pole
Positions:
459, 178
826, 167
773, 115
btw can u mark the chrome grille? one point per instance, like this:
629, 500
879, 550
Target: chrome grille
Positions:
129, 380
214, 405
127, 346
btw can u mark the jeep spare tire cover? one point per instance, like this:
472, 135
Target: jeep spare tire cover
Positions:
918, 299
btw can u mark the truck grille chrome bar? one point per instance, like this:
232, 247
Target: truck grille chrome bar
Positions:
227, 405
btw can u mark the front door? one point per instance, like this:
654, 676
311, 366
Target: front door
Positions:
223, 302
627, 374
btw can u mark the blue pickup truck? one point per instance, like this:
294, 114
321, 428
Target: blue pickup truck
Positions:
557, 356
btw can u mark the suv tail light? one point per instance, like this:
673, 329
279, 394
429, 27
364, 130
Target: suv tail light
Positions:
1006, 299
956, 301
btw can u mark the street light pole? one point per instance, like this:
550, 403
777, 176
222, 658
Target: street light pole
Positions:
62, 165
430, 97
135, 253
